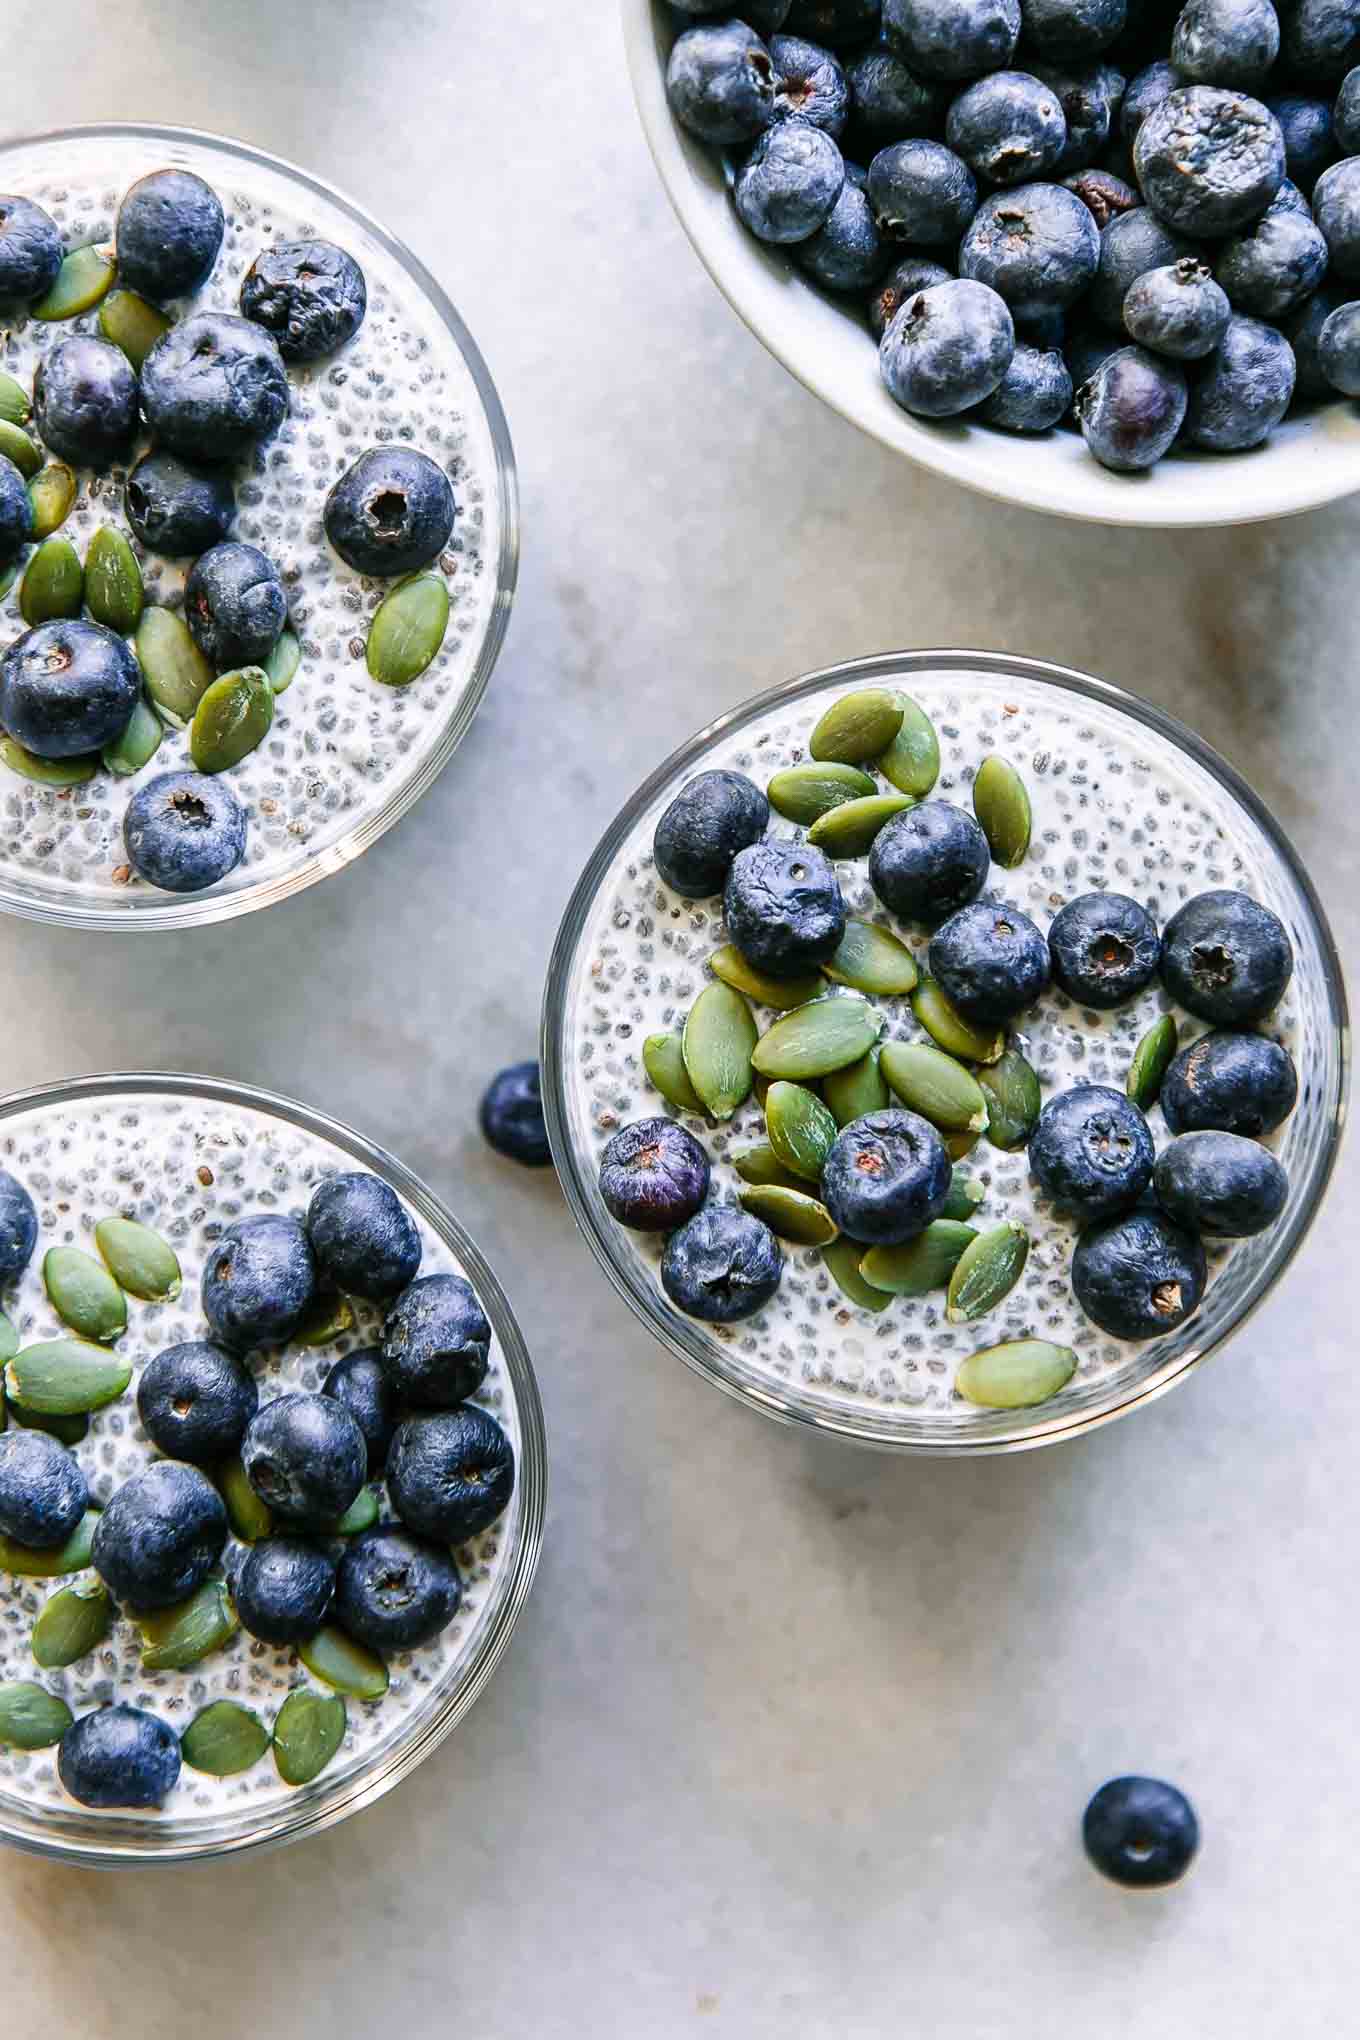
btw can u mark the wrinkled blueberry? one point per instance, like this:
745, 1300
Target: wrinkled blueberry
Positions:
721, 1265
1303, 331
391, 512
18, 1227
184, 831
43, 1493
1131, 409
1229, 1083
452, 1474
85, 401
1061, 30
1336, 208
947, 349
1345, 116
169, 231
653, 1175
921, 192
1274, 266
714, 815
195, 1401
359, 1381
310, 295
1139, 1276
1133, 243
784, 907
213, 386
1032, 395
436, 1343
952, 38
119, 1757
1090, 98
67, 688
1037, 247
848, 252
1179, 311
1146, 92
912, 274
929, 861
1091, 1152
305, 1457
31, 250
1309, 137
889, 102
1321, 38
1226, 42
1244, 390
235, 606
1338, 350
1008, 127
1104, 195
1209, 160
1220, 1184
810, 84
1140, 1832
1226, 958
363, 1237
886, 1177
788, 185
258, 1281
511, 1116
283, 1590
16, 512
1104, 949
160, 1536
177, 510
394, 1591
990, 961
720, 82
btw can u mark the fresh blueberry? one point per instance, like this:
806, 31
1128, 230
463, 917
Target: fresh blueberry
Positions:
195, 1401
840, 24
847, 254
1091, 1152
1061, 30
1321, 38
16, 512
1008, 127
1209, 160
394, 1591
392, 512
1229, 1083
1104, 949
67, 688
436, 1343
1090, 98
1226, 42
1336, 208
1140, 1832
1274, 266
1133, 243
18, 1227
160, 1536
722, 1265
990, 961
1037, 247
359, 1381
788, 185
283, 1590
1289, 199
1138, 1276
953, 38
235, 606
1131, 409
184, 831
947, 349
889, 102
810, 84
1086, 350
921, 192
213, 386
258, 1281
363, 1237
1338, 349
1179, 311
653, 1175
85, 401
1345, 119
1104, 195
1244, 390
713, 817
912, 274
1226, 958
1033, 394
31, 250
511, 1116
43, 1493
170, 227
452, 1474
310, 295
119, 1756
1303, 331
1220, 1184
929, 861
177, 510
305, 1457
1146, 92
784, 907
1310, 142
720, 82
886, 1177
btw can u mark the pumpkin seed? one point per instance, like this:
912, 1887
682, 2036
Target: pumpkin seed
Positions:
1013, 1100
132, 324
1151, 1061
248, 1516
308, 1730
68, 1430
282, 664
54, 772
911, 762
949, 1030
719, 1037
176, 673
31, 1718
1015, 1375
85, 1296
8, 576
920, 1265
817, 1038
15, 405
52, 492
83, 279
843, 1259
114, 592
930, 1082
339, 1662
72, 1622
663, 1058
232, 720
329, 1316
15, 445
849, 830
987, 1271
958, 1146
731, 966
792, 1214
72, 1556
175, 1638
965, 1195
62, 1377
855, 1090
224, 1739
1001, 804
805, 793
54, 583
408, 630
761, 1166
873, 960
9, 1345
139, 742
858, 727
800, 1129
361, 1514
139, 1260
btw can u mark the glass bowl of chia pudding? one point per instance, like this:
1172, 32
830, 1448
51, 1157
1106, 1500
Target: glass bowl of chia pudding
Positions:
186, 1156
1124, 800
345, 756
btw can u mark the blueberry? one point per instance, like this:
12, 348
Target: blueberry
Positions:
451, 1475
184, 831
1229, 1083
258, 1281
1033, 394
1131, 409
1303, 330
1131, 245
1274, 266
283, 1590
847, 254
195, 1401
1104, 195
653, 1175
1345, 118
921, 192
1244, 390
119, 1756
363, 1237
952, 38
888, 102
912, 274
1086, 350
160, 1536
720, 82
1140, 1832
722, 1265
177, 510
841, 24
784, 907
1008, 127
1090, 98
1336, 208
85, 401
305, 1457
511, 1116
929, 861
764, 15
1179, 311
1226, 958
16, 512
1061, 30
1220, 1184
714, 815
359, 1381
235, 606
1226, 42
788, 185
43, 1493
1037, 247
1309, 139
1209, 160
886, 1177
67, 688
310, 295
170, 227
1146, 92
31, 250
213, 386
18, 1227
990, 961
1321, 38
392, 512
1338, 350
947, 349
1138, 1276
810, 84
1289, 199
1091, 1152
436, 1343
1104, 949
395, 1592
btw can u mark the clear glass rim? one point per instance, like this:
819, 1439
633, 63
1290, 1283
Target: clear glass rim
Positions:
197, 911
107, 1842
793, 1406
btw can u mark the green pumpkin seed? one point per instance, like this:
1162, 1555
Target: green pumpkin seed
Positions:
731, 966
1013, 1100
85, 277
911, 762
139, 1260
949, 1030
69, 1430
1151, 1061
232, 720
792, 1214
72, 1622
805, 793
114, 592
16, 446
800, 1129
663, 1058
329, 1316
62, 1377
958, 1146
249, 1517
132, 324
361, 1514
15, 405
1001, 804
849, 830
70, 1557
1015, 1375
920, 1265
965, 1195
815, 1039
54, 772
176, 673
138, 744
84, 1295
341, 1663
224, 1739
52, 492
872, 959
9, 1346
31, 1718
408, 630
8, 576
308, 1730
843, 1259
855, 1090
930, 1082
175, 1638
858, 727
761, 1166
719, 1037
282, 664
987, 1271
53, 585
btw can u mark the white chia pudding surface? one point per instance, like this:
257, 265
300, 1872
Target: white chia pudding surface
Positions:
342, 747
1117, 808
188, 1167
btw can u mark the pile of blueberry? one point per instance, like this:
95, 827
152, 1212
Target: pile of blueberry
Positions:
1139, 214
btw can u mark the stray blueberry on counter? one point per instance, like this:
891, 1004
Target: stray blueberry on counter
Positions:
160, 1536
392, 512
653, 1175
18, 1227
177, 510
1226, 42
1008, 127
929, 861
810, 84
214, 386
283, 1590
395, 1592
169, 231
712, 817
1179, 311
1091, 1152
360, 1381
788, 185
119, 1757
310, 295
991, 962
1132, 408
16, 512
1209, 160
720, 83
258, 1281
1038, 247
1338, 349
1105, 949
1230, 1083
450, 1475
511, 1116
436, 1342
1140, 1832
1139, 1276
723, 1265
184, 831
952, 38
1226, 958
235, 606
921, 192
85, 401
31, 250
784, 907
1244, 390
1033, 394
886, 1177
43, 1493
305, 1457
68, 688
1220, 1184
195, 1401
364, 1239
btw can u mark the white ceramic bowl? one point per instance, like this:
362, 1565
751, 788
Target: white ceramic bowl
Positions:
1306, 461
